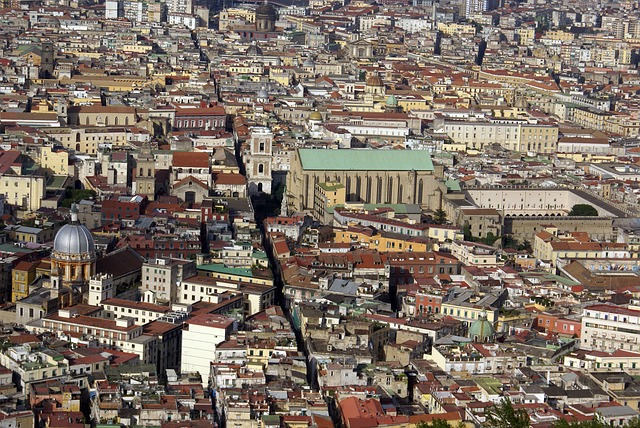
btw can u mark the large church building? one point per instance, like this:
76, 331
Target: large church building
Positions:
369, 176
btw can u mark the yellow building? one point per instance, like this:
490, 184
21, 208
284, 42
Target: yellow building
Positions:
527, 36
230, 17
590, 118
114, 83
443, 233
97, 115
22, 275
468, 312
247, 68
32, 234
549, 246
559, 35
451, 28
87, 139
538, 138
452, 146
513, 134
24, 191
141, 49
328, 195
622, 124
600, 361
280, 76
588, 157
259, 352
54, 162
384, 242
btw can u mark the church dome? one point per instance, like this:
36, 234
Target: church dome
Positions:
266, 11
481, 330
374, 81
262, 93
315, 116
73, 239
392, 101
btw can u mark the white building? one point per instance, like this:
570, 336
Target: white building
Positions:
135, 10
180, 6
204, 289
141, 312
291, 227
183, 19
114, 9
199, 340
608, 328
414, 25
100, 288
474, 254
161, 276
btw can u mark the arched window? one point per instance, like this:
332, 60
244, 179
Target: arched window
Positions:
389, 189
348, 190
379, 191
260, 168
115, 121
149, 172
78, 147
141, 172
358, 190
126, 120
420, 190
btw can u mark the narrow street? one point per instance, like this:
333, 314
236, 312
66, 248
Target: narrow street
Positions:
260, 210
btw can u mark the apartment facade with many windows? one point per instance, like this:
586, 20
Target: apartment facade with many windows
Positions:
609, 328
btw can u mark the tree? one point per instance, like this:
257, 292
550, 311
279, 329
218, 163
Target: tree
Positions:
525, 246
72, 196
504, 415
575, 424
490, 239
594, 423
436, 423
466, 230
440, 217
508, 241
584, 210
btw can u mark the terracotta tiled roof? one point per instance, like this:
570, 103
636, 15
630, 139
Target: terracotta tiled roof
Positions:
191, 159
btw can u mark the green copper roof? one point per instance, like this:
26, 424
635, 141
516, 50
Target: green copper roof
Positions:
365, 160
220, 268
481, 330
453, 185
331, 187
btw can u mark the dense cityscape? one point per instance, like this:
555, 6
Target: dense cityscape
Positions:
319, 214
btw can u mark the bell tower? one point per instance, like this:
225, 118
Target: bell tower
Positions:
260, 160
46, 60
145, 183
